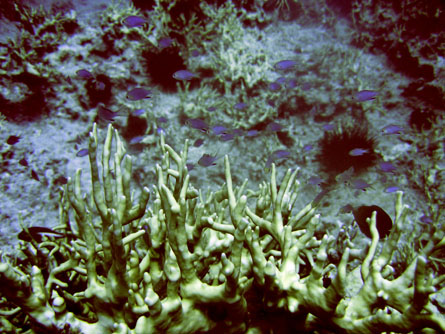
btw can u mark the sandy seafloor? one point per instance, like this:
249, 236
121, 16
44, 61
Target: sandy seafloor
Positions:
50, 143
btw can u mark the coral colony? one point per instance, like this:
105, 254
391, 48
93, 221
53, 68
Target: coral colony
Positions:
174, 257
181, 263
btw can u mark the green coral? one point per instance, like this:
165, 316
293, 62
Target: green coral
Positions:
185, 263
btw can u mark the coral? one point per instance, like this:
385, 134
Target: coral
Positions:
189, 264
26, 77
409, 32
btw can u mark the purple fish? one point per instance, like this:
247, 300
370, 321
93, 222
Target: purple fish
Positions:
252, 133
328, 127
138, 112
162, 119
356, 152
345, 176
283, 65
198, 123
360, 184
308, 148
84, 74
292, 83
219, 129
281, 154
278, 154
107, 114
365, 95
165, 42
425, 219
274, 86
211, 108
227, 136
392, 129
138, 93
184, 75
315, 180
274, 127
136, 140
240, 106
238, 132
281, 80
346, 209
391, 189
195, 53
160, 130
207, 160
134, 21
83, 152
387, 167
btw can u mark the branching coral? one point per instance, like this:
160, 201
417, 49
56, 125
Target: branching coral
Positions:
189, 264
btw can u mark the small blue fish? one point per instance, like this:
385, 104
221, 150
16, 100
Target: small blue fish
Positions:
387, 167
107, 114
184, 75
207, 160
83, 152
291, 83
136, 140
238, 132
425, 219
84, 74
284, 65
198, 123
195, 53
165, 42
346, 209
360, 184
345, 176
138, 93
281, 80
134, 21
356, 152
211, 108
138, 112
226, 136
391, 189
162, 119
252, 133
160, 131
365, 95
278, 154
392, 129
274, 86
308, 148
315, 180
274, 127
328, 127
240, 106
219, 129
